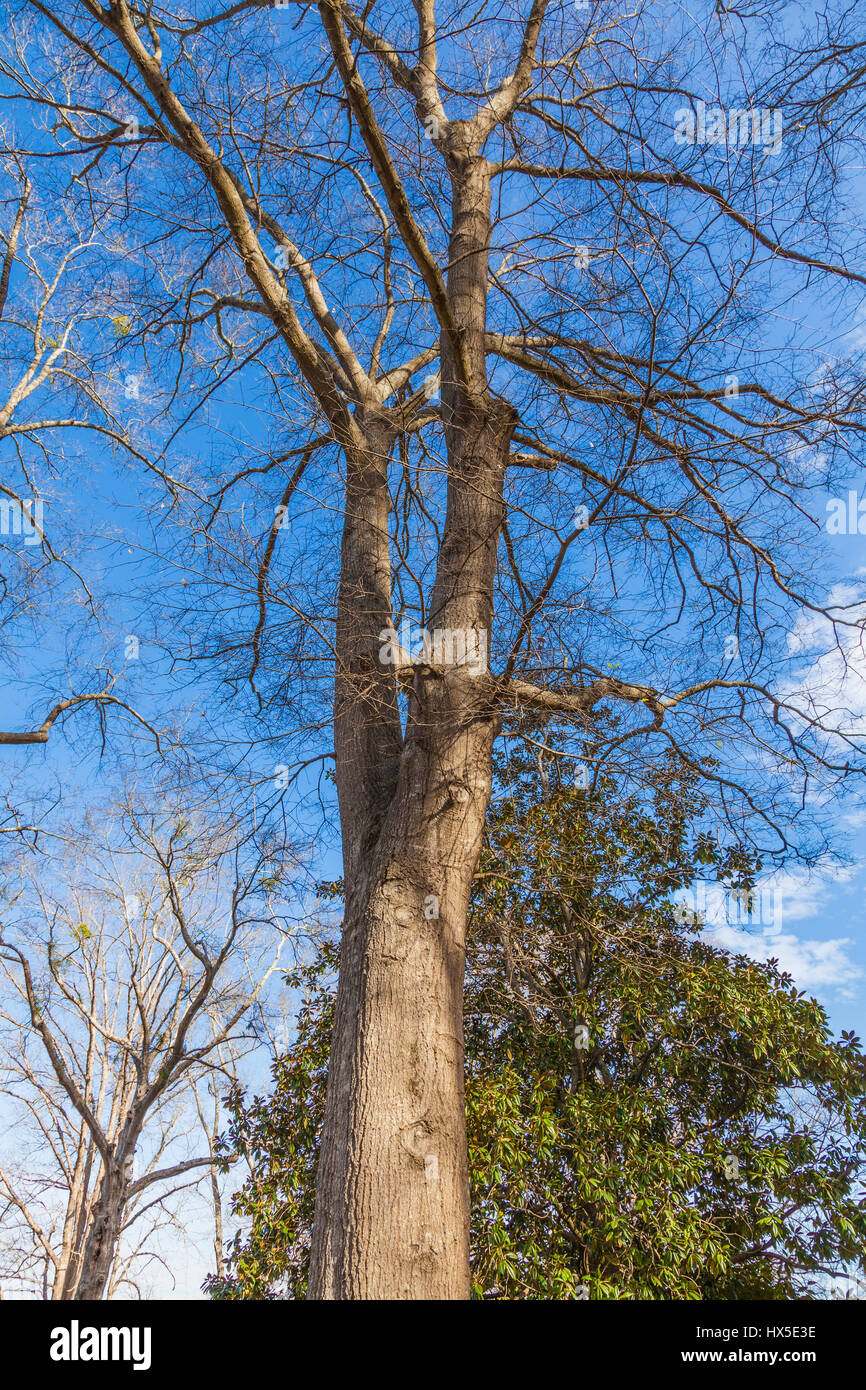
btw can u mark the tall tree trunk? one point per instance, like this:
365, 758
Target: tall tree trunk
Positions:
77, 1206
392, 1206
103, 1233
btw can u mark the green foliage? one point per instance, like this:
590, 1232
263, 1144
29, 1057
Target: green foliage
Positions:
279, 1139
648, 1116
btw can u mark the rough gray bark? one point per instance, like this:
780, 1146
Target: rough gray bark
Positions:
392, 1213
103, 1234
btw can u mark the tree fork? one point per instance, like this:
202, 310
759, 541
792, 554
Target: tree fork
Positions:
392, 1199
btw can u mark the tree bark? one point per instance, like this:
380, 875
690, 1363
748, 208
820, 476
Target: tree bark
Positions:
66, 1274
103, 1235
392, 1206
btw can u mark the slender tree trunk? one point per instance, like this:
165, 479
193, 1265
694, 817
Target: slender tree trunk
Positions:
74, 1224
392, 1209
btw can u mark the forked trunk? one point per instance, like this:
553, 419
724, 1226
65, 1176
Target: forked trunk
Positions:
392, 1200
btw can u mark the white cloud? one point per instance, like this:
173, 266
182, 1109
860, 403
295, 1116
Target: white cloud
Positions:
833, 686
808, 463
816, 966
803, 890
787, 896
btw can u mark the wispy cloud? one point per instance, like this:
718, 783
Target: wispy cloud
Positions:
832, 686
764, 933
816, 966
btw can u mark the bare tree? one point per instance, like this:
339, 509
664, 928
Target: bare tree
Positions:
47, 311
136, 974
211, 1126
606, 433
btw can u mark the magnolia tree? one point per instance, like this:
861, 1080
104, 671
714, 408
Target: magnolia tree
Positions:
461, 313
130, 972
